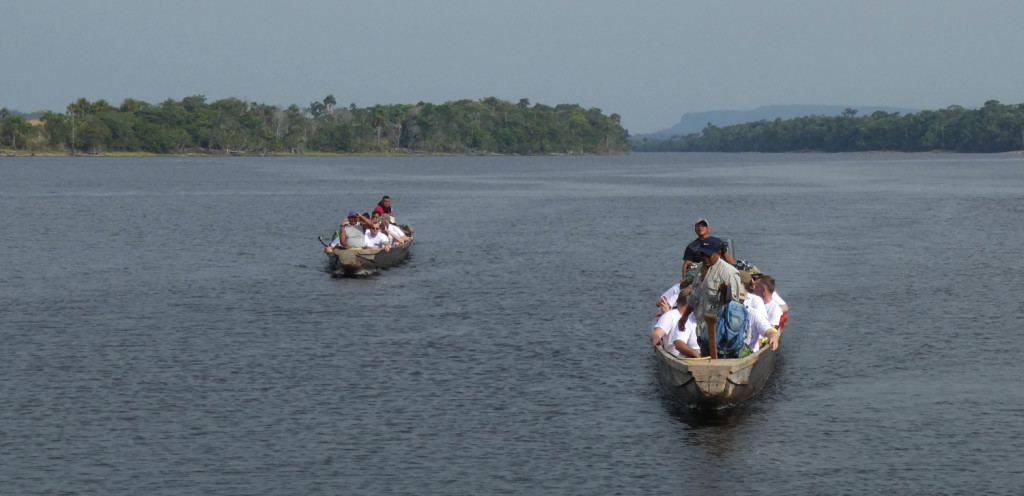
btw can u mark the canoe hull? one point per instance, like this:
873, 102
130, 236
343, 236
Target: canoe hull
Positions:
715, 384
357, 261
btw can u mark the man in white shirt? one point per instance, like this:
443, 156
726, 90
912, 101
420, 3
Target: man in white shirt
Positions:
374, 239
667, 300
756, 274
667, 332
758, 326
684, 339
765, 286
387, 226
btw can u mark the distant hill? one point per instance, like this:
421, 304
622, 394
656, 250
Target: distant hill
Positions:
696, 121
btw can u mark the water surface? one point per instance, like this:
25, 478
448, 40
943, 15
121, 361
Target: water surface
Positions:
168, 328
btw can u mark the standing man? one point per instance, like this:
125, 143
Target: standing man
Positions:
715, 283
692, 254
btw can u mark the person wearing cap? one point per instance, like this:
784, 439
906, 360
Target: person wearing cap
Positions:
376, 240
715, 282
350, 233
387, 226
691, 256
756, 274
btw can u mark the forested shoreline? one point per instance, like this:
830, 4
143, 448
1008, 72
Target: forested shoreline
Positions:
992, 128
487, 126
235, 127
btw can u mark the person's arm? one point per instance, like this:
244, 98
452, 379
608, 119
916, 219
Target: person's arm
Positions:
656, 336
685, 311
343, 237
773, 338
398, 233
663, 306
686, 350
686, 266
725, 253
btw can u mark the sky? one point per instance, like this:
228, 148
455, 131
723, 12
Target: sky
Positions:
649, 61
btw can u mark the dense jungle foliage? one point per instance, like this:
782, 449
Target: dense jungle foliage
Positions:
992, 128
233, 126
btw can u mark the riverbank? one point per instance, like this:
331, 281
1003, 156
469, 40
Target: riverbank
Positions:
23, 153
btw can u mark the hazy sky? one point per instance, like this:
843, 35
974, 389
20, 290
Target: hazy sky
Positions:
649, 61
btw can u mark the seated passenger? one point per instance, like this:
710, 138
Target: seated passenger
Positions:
350, 233
759, 330
677, 338
387, 226
756, 274
667, 300
384, 206
376, 240
353, 230
765, 286
664, 324
684, 339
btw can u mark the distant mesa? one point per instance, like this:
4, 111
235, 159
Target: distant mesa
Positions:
697, 121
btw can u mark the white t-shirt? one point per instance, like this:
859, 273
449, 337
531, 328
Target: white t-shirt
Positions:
757, 321
774, 311
671, 294
379, 241
688, 335
395, 231
776, 297
667, 321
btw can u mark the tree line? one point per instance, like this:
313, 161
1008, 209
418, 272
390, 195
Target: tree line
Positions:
992, 128
236, 127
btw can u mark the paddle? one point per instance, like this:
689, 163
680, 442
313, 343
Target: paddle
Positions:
712, 322
321, 241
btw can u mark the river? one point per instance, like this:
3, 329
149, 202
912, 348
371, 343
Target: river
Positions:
168, 328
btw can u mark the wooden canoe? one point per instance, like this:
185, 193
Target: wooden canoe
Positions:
358, 261
714, 384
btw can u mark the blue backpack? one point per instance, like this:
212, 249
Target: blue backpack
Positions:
732, 324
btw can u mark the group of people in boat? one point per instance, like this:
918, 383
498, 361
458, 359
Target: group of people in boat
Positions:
712, 278
376, 230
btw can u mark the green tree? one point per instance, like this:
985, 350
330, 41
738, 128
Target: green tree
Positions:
14, 129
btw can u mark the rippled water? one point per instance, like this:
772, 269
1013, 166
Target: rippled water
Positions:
167, 326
